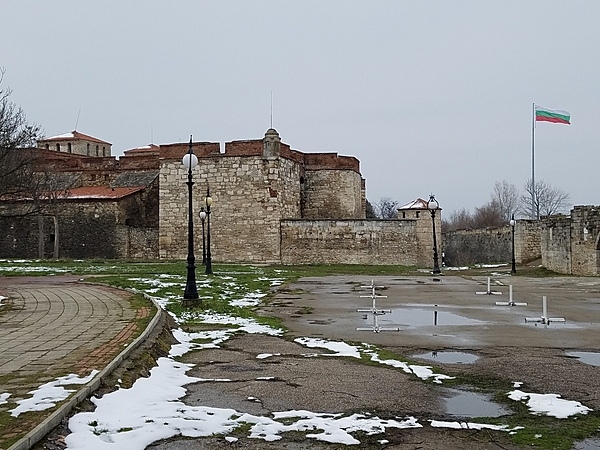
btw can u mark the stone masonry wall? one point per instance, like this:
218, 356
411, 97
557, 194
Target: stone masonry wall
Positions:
484, 245
332, 194
355, 241
527, 240
250, 194
556, 244
493, 244
585, 232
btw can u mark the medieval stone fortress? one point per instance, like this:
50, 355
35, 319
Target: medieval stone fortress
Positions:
271, 204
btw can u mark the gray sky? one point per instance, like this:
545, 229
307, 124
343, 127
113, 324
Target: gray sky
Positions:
430, 96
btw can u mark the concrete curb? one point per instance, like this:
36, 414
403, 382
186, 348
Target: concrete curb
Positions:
51, 422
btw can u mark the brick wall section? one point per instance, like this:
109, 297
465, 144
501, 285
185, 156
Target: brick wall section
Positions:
350, 241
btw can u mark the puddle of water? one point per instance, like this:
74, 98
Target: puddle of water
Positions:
588, 444
591, 358
449, 357
421, 317
473, 404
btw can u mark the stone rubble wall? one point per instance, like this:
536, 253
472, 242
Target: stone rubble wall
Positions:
556, 244
570, 244
332, 194
249, 194
493, 244
357, 241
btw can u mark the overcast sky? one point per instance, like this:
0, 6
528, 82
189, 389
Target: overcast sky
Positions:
430, 96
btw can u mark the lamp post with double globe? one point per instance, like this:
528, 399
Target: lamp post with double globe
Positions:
202, 215
208, 202
433, 206
190, 295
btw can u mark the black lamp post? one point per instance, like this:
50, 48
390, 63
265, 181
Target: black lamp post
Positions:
190, 295
433, 206
512, 225
208, 202
202, 219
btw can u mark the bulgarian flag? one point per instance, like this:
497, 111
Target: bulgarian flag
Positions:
552, 115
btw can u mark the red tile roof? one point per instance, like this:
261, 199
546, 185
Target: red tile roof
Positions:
101, 192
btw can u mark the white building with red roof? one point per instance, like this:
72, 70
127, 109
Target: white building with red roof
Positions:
77, 143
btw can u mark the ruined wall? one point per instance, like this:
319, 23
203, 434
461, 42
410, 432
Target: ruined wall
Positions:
355, 241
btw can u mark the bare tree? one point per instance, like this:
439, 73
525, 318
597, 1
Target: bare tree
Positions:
16, 159
544, 199
458, 220
386, 208
488, 215
506, 198
370, 210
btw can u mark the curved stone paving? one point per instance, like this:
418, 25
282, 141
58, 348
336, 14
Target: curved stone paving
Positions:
55, 327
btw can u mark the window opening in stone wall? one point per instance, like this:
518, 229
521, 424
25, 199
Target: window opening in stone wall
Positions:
403, 214
58, 147
103, 151
47, 146
418, 214
88, 149
97, 149
69, 148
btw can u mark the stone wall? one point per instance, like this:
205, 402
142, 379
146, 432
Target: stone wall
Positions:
372, 242
527, 240
249, 198
493, 244
570, 244
585, 232
484, 245
556, 244
122, 228
332, 194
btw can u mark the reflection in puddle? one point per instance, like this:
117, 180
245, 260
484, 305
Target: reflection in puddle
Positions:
421, 317
449, 357
473, 404
588, 444
591, 358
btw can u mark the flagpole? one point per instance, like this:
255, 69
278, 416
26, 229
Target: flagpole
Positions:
533, 209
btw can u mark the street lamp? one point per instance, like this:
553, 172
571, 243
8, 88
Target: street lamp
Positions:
512, 223
202, 215
433, 206
208, 202
190, 295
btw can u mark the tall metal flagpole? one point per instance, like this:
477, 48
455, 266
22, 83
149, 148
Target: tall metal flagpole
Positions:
533, 208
